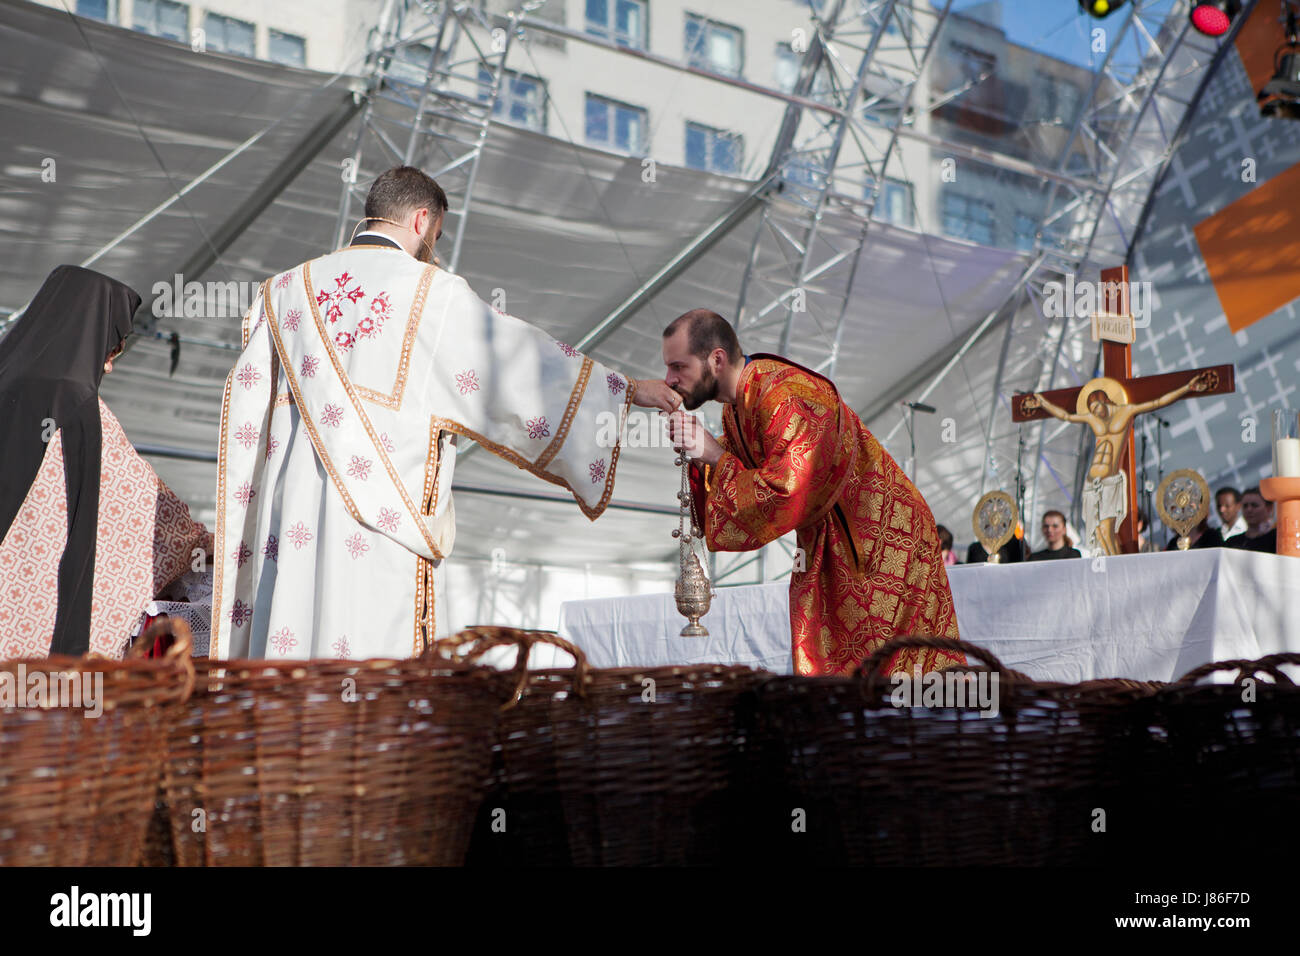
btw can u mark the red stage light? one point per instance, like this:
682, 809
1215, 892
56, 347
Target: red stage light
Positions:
1214, 19
1210, 20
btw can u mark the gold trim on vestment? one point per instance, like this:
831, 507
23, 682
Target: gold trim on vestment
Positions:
562, 432
519, 461
380, 452
394, 400
219, 559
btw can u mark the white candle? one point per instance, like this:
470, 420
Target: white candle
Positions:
1286, 452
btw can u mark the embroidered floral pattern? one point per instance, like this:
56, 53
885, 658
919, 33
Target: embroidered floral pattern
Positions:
332, 299
357, 545
615, 383
245, 493
249, 376
359, 468
341, 648
332, 416
389, 519
241, 614
387, 443
309, 365
538, 428
271, 550
344, 340
284, 280
292, 318
272, 443
381, 310
283, 641
246, 435
597, 469
568, 350
299, 534
241, 554
467, 382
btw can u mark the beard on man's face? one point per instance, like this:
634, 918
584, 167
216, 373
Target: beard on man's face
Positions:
425, 252
706, 390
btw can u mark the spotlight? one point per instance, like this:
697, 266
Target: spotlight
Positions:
1281, 95
1100, 8
1214, 19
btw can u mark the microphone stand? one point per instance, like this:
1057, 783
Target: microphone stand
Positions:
910, 421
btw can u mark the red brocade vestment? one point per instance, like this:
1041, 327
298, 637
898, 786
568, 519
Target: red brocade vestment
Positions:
798, 458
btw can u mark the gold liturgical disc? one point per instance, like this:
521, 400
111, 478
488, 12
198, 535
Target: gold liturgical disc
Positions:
1183, 500
994, 522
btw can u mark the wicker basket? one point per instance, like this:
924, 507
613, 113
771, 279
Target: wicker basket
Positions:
849, 777
325, 762
638, 765
75, 789
1219, 764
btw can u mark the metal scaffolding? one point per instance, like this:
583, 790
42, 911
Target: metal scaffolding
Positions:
435, 74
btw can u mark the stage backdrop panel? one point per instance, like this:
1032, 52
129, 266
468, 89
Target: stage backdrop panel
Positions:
1141, 616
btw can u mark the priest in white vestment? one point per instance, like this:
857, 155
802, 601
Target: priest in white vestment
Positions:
338, 423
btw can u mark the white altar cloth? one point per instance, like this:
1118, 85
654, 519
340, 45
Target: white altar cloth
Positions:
1141, 616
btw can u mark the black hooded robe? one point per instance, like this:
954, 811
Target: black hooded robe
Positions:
51, 364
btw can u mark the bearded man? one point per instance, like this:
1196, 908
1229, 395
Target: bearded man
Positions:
795, 457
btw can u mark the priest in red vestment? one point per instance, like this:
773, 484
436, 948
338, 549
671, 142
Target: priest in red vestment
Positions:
795, 457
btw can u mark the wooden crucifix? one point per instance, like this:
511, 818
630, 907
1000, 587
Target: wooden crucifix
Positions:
1108, 406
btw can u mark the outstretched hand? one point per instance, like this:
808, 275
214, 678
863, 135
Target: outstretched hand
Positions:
655, 393
689, 435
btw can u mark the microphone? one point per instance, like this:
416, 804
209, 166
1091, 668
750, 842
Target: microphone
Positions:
919, 407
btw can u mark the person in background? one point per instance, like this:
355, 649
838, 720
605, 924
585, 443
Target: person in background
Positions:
945, 544
1059, 544
1202, 536
1260, 535
1011, 552
1227, 502
1145, 544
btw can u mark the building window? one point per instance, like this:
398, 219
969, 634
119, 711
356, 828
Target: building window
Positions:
973, 64
968, 218
522, 101
615, 125
1061, 99
163, 18
286, 48
787, 68
713, 149
1026, 228
895, 203
95, 9
619, 21
228, 35
714, 46
410, 63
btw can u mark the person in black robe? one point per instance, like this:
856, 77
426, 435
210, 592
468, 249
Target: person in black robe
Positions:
1259, 535
51, 363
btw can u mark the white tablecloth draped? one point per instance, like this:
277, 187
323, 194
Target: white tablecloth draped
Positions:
1141, 616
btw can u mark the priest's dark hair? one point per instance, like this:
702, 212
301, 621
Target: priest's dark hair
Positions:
402, 190
707, 331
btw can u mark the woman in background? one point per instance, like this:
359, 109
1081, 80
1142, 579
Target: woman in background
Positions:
88, 532
1058, 542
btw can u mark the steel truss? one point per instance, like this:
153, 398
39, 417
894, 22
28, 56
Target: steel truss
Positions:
862, 81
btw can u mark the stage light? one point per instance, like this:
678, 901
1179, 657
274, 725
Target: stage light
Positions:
1281, 95
1100, 8
1214, 19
